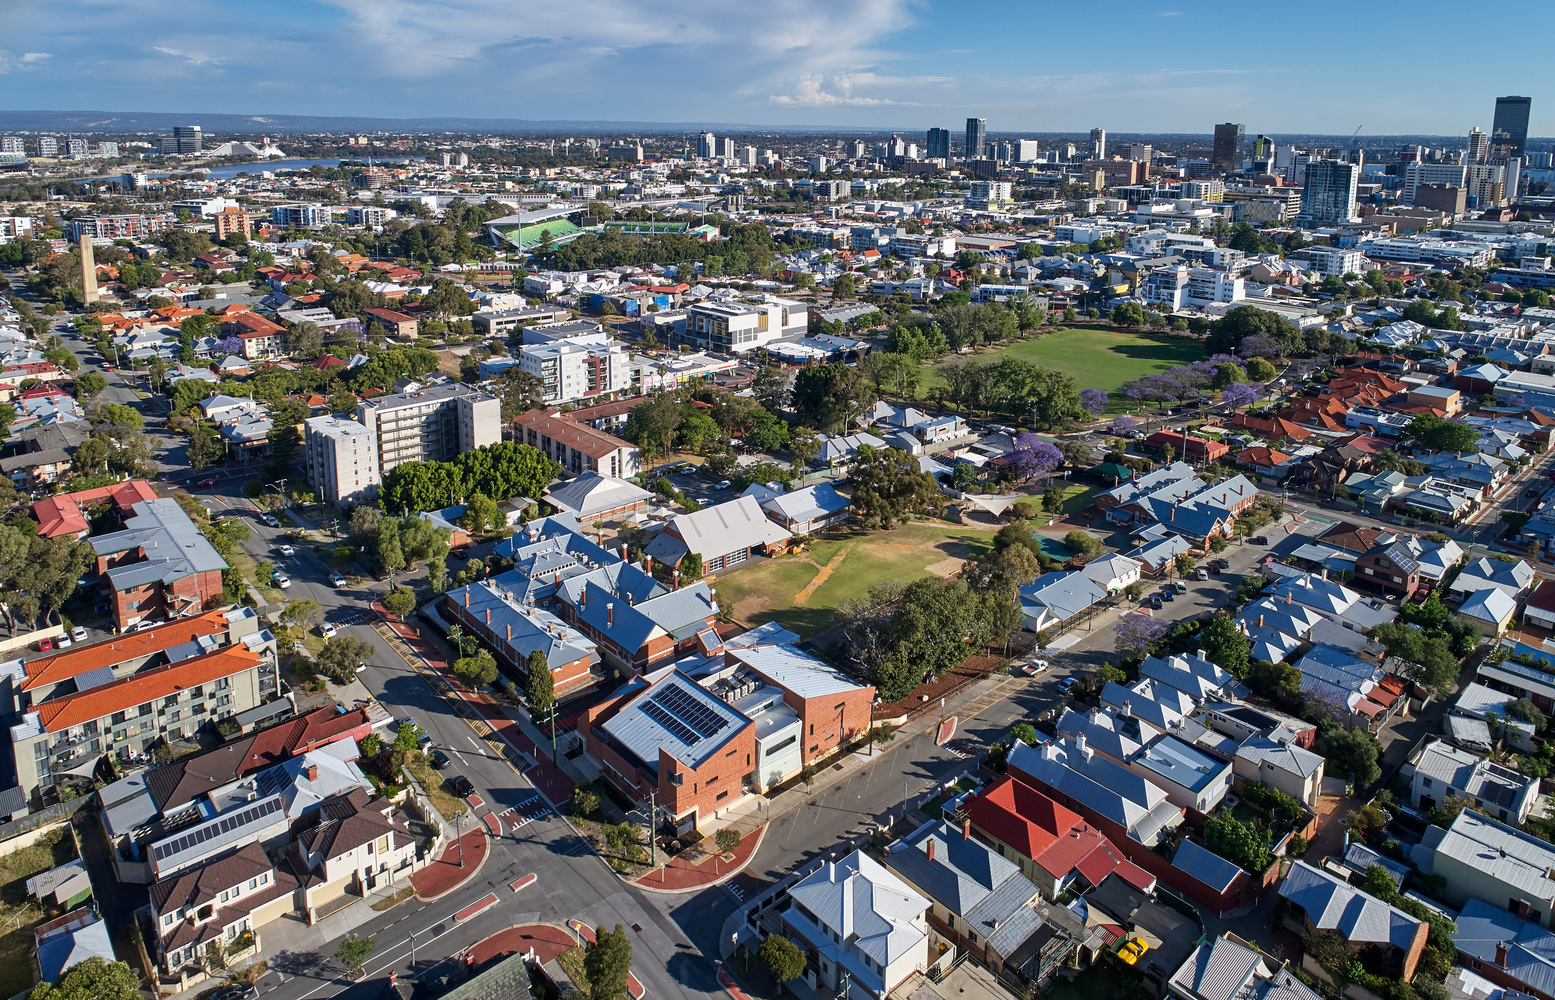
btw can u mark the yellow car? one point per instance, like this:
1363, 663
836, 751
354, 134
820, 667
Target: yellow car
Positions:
1132, 949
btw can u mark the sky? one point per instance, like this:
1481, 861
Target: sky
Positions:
1319, 66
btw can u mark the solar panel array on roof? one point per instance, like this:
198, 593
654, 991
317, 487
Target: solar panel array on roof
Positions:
704, 721
681, 730
216, 827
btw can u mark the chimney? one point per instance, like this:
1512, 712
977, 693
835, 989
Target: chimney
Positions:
1260, 621
510, 633
1079, 742
1287, 597
466, 596
488, 616
1501, 951
1325, 574
583, 597
623, 553
929, 849
1173, 515
1128, 706
966, 829
313, 772
610, 614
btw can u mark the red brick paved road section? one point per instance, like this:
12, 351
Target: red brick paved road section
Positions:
548, 942
444, 874
679, 875
731, 985
546, 776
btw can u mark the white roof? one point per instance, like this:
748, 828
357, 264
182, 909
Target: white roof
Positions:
866, 905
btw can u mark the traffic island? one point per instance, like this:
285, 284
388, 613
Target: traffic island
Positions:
682, 874
445, 874
547, 941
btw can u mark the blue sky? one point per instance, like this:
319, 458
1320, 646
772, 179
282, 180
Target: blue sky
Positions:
1160, 66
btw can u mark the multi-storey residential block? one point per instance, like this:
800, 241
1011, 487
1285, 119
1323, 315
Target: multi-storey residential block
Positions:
303, 216
579, 368
1329, 194
984, 195
436, 424
159, 567
1178, 287
104, 228
578, 447
216, 903
342, 459
738, 326
233, 220
1326, 261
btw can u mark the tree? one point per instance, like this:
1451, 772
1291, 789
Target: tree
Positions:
653, 423
606, 963
205, 446
1260, 370
1353, 750
539, 688
387, 546
1526, 711
1442, 435
771, 387
1225, 646
90, 384
477, 671
93, 979
1136, 631
302, 613
353, 951
728, 840
342, 656
767, 433
889, 487
803, 445
783, 958
1243, 323
1094, 401
1128, 314
481, 514
1238, 395
1084, 544
1243, 843
830, 395
399, 601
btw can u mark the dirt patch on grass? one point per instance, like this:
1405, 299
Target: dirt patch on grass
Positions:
448, 363
946, 567
822, 576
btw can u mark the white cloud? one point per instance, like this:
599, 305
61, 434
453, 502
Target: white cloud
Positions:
192, 58
10, 62
1170, 13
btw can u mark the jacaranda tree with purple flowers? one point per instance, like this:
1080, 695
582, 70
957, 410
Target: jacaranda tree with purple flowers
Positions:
1239, 394
1094, 401
1034, 458
231, 345
1134, 632
1124, 424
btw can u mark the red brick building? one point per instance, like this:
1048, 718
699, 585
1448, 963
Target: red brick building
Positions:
397, 323
159, 566
672, 740
1192, 449
833, 709
514, 631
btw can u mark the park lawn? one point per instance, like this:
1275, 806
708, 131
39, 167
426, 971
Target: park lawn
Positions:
1099, 357
767, 589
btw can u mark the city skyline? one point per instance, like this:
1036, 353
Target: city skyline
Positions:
878, 64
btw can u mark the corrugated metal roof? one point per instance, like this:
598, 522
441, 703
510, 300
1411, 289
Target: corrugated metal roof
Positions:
1333, 904
675, 714
798, 671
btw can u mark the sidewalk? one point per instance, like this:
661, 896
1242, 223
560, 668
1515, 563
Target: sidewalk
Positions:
445, 874
680, 874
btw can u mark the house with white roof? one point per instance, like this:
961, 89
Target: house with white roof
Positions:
1481, 858
1227, 968
1333, 601
808, 510
1442, 770
1491, 609
1514, 579
1113, 573
592, 497
1284, 767
1057, 597
866, 929
1122, 804
1193, 675
723, 536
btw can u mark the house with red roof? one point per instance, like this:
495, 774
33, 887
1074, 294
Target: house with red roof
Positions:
261, 337
66, 513
1053, 845
1263, 461
1194, 449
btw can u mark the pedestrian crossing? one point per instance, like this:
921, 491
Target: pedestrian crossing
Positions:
521, 813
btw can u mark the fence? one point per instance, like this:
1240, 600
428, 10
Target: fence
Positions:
33, 827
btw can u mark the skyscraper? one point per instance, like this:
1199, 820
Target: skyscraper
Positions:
1098, 144
1228, 140
1509, 131
1479, 146
187, 139
1329, 193
1263, 146
939, 144
707, 146
976, 134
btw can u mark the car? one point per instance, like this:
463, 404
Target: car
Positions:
107, 368
424, 742
1168, 595
461, 786
1132, 950
438, 759
1201, 573
207, 481
287, 551
281, 580
270, 520
44, 645
142, 626
723, 485
241, 991
1065, 685
1155, 604
62, 640
328, 630
1261, 540
337, 578
78, 634
1034, 668
1180, 587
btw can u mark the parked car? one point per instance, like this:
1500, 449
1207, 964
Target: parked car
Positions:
1065, 685
1201, 573
1180, 587
78, 634
425, 741
1034, 668
142, 626
1133, 949
208, 481
287, 551
328, 630
336, 578
281, 580
62, 640
1261, 540
461, 786
269, 519
438, 759
723, 485
44, 645
1168, 595
1155, 604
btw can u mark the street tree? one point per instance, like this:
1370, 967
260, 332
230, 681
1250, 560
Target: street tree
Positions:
607, 961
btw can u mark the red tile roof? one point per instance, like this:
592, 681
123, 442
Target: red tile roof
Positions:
1016, 814
61, 515
1543, 597
56, 667
138, 689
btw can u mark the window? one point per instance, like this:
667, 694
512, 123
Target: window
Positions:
1425, 782
725, 794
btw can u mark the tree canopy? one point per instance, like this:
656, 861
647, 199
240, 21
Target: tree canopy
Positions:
499, 472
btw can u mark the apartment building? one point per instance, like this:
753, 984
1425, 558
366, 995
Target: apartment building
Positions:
65, 736
738, 326
261, 337
1417, 173
1484, 859
398, 324
1327, 261
579, 448
436, 424
1329, 193
986, 195
159, 567
302, 216
514, 631
342, 459
1175, 288
580, 368
233, 220
112, 227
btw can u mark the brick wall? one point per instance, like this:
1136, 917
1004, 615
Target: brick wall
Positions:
717, 783
831, 720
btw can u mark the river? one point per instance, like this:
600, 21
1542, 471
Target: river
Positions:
234, 169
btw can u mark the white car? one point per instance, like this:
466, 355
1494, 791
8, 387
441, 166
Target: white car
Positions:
328, 630
78, 634
281, 580
142, 626
1034, 668
62, 640
723, 485
288, 551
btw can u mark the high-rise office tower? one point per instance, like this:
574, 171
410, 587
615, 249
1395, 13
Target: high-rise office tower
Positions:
939, 144
726, 148
707, 146
1098, 144
1509, 131
1228, 140
1479, 146
859, 149
976, 135
188, 139
1329, 192
1263, 146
